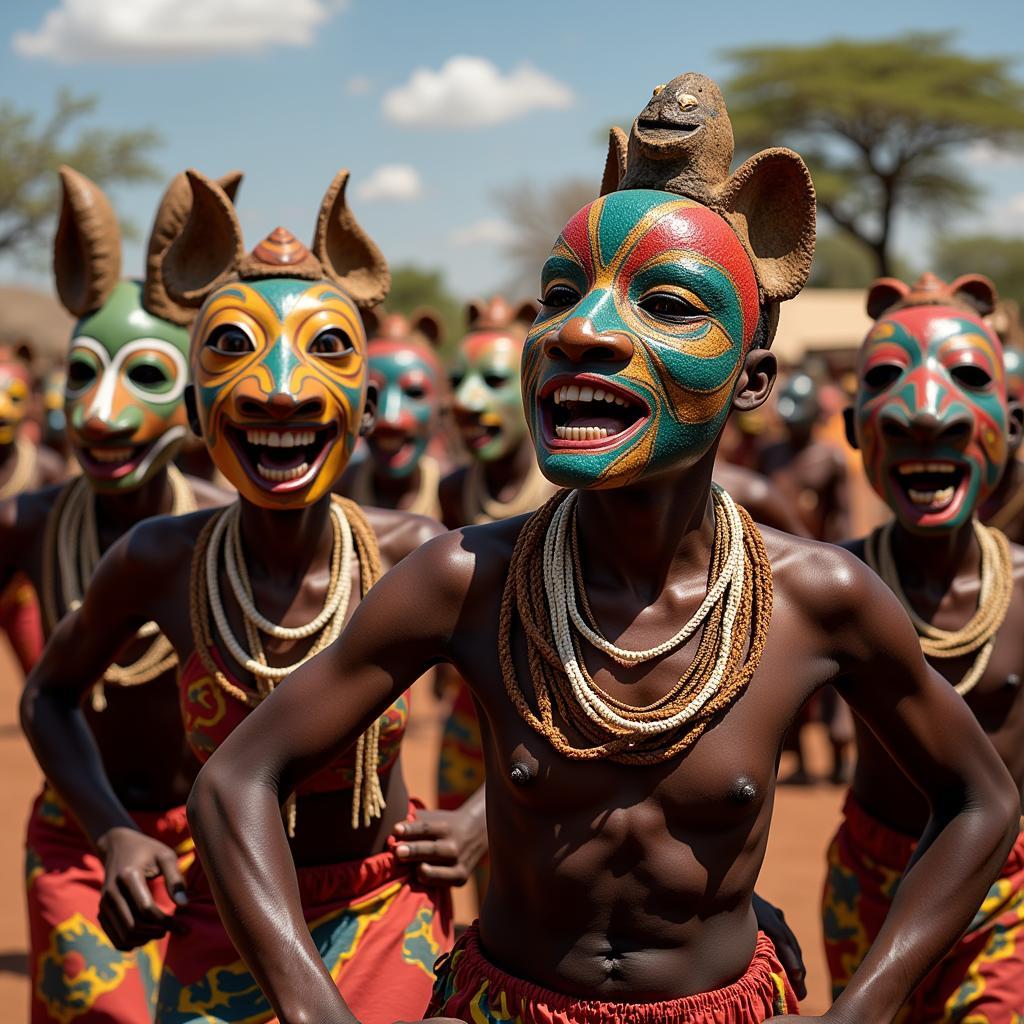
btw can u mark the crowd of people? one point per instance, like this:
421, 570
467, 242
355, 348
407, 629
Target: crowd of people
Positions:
604, 526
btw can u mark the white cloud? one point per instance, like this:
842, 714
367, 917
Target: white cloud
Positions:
1016, 204
357, 85
488, 231
79, 30
395, 182
468, 92
985, 154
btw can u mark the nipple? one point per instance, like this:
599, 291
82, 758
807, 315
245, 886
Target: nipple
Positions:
744, 791
521, 773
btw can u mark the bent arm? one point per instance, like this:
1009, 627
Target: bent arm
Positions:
396, 633
81, 648
930, 732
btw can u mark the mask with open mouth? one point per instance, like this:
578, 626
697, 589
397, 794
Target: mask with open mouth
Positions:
127, 368
404, 366
15, 394
664, 285
930, 416
278, 350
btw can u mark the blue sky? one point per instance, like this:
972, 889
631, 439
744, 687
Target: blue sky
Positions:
228, 84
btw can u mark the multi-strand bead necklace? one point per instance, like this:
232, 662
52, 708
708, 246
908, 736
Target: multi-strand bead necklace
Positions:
545, 591
71, 552
994, 593
220, 543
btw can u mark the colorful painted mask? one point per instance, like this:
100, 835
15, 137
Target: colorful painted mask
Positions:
127, 372
650, 304
487, 402
54, 386
279, 367
15, 395
931, 415
410, 385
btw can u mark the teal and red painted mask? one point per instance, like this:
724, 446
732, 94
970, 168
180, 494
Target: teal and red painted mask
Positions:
279, 367
486, 398
931, 416
410, 386
127, 371
650, 303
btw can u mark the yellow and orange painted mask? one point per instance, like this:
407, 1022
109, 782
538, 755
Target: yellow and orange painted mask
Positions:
15, 395
279, 369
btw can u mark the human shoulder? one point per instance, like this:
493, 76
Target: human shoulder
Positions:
163, 545
24, 516
400, 533
52, 468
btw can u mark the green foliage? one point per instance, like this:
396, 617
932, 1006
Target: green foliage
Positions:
414, 287
841, 262
537, 215
1000, 258
30, 153
878, 122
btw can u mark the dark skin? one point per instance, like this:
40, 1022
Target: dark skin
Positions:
1009, 488
760, 497
615, 882
149, 769
288, 558
504, 476
50, 468
813, 477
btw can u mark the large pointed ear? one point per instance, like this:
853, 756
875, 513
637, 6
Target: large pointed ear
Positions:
428, 323
171, 217
206, 251
615, 162
884, 294
346, 252
87, 247
977, 291
526, 312
474, 310
769, 201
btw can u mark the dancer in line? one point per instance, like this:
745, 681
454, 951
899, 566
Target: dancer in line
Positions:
248, 593
125, 419
933, 424
637, 646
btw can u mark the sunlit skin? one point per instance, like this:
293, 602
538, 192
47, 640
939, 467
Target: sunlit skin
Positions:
612, 882
127, 371
944, 368
677, 323
487, 403
272, 351
410, 382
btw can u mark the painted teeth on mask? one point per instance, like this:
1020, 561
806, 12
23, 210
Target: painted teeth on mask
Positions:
280, 475
582, 433
110, 454
280, 438
928, 499
906, 468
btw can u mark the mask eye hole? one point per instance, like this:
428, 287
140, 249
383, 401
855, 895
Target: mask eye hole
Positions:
415, 391
881, 376
332, 343
495, 380
146, 375
560, 296
974, 378
671, 308
455, 380
230, 340
80, 374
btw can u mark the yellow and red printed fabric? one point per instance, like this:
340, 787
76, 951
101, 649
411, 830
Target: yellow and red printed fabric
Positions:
470, 988
77, 975
980, 981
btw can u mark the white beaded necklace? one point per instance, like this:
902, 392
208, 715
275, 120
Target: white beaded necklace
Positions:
560, 587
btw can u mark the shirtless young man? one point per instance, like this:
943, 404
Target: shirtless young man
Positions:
628, 811
125, 420
934, 426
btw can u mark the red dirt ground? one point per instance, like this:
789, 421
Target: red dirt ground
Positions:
792, 877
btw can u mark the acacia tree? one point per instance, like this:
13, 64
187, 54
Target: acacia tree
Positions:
881, 124
998, 257
30, 153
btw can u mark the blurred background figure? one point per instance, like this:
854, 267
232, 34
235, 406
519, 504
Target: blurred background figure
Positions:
399, 470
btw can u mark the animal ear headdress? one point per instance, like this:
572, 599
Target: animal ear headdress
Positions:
973, 292
424, 325
682, 142
209, 251
498, 314
87, 247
